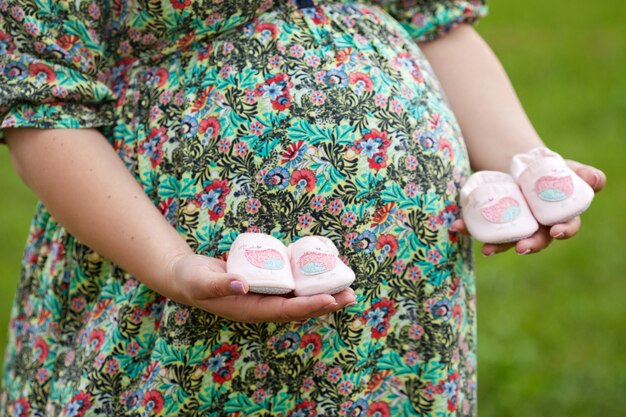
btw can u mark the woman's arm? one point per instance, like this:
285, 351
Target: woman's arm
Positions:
493, 122
86, 187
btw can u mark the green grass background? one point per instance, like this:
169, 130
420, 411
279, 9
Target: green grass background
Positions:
552, 326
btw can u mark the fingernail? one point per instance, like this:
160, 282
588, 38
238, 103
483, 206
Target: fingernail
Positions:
526, 252
597, 177
560, 235
237, 287
351, 304
489, 253
453, 229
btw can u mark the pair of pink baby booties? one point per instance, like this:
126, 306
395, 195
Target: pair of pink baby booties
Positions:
541, 189
308, 266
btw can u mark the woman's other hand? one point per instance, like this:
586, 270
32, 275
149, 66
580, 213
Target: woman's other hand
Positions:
544, 236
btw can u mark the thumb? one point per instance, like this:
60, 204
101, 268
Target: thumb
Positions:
224, 284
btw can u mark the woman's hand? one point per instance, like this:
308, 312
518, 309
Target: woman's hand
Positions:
543, 237
203, 282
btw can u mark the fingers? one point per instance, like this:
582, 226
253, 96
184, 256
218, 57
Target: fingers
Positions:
565, 230
593, 176
345, 298
254, 308
538, 241
459, 226
222, 285
490, 249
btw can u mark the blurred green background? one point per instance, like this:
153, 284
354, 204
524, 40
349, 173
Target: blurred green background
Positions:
552, 326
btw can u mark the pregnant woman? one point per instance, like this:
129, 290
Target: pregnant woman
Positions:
156, 131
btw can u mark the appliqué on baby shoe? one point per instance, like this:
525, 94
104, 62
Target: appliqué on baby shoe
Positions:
313, 263
505, 210
265, 258
550, 188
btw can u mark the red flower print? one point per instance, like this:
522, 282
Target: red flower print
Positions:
388, 240
277, 90
378, 161
334, 374
305, 220
348, 219
36, 69
378, 409
7, 40
304, 176
319, 18
377, 381
259, 395
317, 203
211, 126
79, 405
96, 338
378, 317
313, 342
256, 128
180, 4
202, 99
319, 368
335, 206
67, 41
261, 370
345, 387
221, 361
162, 76
343, 56
41, 349
304, 409
294, 152
252, 205
154, 400
361, 80
241, 148
21, 408
382, 214
267, 28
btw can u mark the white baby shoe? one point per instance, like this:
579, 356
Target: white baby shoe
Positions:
317, 268
553, 191
494, 209
264, 261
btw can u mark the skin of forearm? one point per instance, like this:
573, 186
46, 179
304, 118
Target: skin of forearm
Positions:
81, 180
492, 119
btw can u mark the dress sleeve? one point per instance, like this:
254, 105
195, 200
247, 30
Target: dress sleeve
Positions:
53, 65
427, 19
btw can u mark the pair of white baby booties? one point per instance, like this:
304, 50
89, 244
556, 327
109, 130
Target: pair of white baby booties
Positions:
541, 189
308, 266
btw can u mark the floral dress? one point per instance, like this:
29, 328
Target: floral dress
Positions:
286, 117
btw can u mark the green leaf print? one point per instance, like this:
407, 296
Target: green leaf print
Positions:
394, 362
240, 402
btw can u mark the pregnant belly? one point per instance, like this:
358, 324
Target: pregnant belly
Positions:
281, 124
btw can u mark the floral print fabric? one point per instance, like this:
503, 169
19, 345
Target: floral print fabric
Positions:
260, 117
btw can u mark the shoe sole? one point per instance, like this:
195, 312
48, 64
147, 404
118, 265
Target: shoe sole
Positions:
270, 290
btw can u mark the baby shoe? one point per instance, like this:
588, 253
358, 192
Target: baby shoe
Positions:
317, 268
264, 261
494, 209
553, 191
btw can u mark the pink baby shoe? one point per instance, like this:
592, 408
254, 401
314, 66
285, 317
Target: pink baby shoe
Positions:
494, 209
263, 261
316, 267
553, 191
